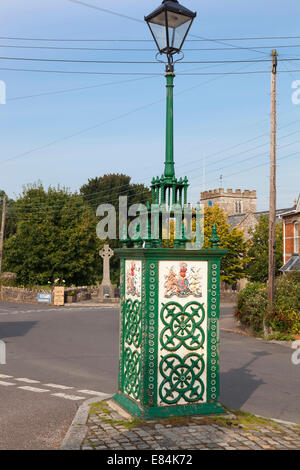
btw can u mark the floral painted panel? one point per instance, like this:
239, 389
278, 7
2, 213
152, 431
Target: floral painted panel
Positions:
133, 278
132, 333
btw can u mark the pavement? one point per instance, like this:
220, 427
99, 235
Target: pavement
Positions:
57, 358
105, 426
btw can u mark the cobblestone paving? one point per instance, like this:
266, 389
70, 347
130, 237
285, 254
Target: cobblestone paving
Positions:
108, 430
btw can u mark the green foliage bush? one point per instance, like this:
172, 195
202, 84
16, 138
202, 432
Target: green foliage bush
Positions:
253, 303
286, 316
252, 306
7, 282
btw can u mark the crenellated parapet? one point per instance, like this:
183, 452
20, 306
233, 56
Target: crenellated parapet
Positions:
229, 193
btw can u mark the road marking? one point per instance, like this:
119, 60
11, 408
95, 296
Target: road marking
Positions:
33, 389
6, 384
2, 376
67, 397
62, 387
90, 392
28, 381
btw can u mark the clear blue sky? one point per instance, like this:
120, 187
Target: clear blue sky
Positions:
225, 117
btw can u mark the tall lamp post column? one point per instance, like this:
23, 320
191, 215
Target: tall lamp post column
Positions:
169, 163
169, 328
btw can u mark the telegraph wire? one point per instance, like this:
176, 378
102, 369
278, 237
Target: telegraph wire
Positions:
139, 73
37, 212
98, 125
136, 49
105, 10
95, 61
69, 90
59, 48
22, 38
95, 195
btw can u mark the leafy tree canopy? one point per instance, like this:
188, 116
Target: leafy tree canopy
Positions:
10, 219
107, 189
258, 252
233, 263
55, 238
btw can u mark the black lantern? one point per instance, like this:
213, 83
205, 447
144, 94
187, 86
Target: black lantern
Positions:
169, 25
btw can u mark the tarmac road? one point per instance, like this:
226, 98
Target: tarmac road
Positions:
58, 357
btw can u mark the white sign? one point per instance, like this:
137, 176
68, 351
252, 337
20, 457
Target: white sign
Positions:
45, 298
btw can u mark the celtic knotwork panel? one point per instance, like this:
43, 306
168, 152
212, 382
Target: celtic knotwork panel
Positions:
181, 378
133, 327
182, 326
132, 379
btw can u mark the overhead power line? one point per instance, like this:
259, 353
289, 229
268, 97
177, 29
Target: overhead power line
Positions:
140, 73
80, 72
69, 90
118, 49
137, 62
22, 38
105, 10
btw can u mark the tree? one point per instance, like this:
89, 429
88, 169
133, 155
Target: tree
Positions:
233, 263
106, 190
258, 252
55, 238
11, 219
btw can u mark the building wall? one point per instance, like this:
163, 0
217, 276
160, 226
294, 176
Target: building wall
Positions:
249, 222
291, 240
232, 202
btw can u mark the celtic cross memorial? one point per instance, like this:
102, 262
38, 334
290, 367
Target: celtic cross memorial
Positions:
106, 288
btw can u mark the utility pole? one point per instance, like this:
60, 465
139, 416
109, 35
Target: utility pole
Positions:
272, 213
2, 229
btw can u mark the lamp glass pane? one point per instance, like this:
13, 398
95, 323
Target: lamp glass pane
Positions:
158, 28
178, 27
159, 32
177, 35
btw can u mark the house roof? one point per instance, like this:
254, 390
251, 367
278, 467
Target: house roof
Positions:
236, 219
294, 210
293, 264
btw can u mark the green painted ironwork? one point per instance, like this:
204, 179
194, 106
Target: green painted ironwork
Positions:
181, 378
215, 240
182, 326
132, 372
133, 324
169, 162
195, 390
169, 351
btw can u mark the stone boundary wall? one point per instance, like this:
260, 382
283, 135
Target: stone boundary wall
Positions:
30, 296
22, 295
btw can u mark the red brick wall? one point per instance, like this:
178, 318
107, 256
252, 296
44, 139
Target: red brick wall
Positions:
289, 235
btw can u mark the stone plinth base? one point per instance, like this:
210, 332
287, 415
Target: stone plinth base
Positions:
106, 292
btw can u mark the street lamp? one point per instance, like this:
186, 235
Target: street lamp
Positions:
169, 333
169, 25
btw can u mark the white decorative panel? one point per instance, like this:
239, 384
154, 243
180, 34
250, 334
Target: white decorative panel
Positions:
182, 332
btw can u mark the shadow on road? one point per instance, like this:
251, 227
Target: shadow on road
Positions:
237, 385
14, 329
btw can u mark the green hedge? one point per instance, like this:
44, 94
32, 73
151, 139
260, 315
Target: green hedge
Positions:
285, 318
